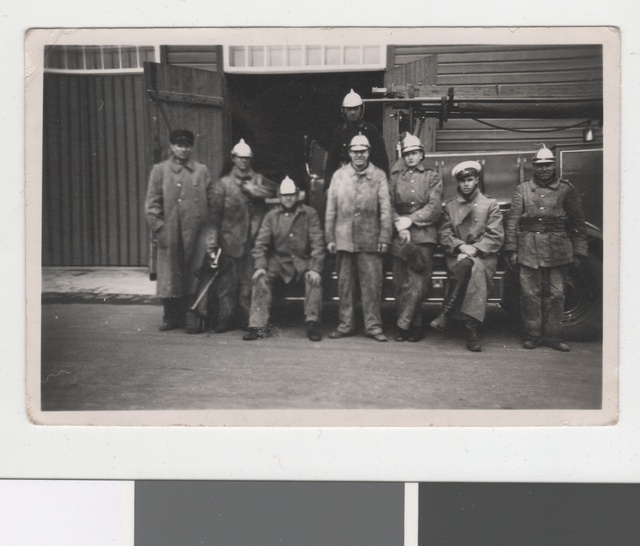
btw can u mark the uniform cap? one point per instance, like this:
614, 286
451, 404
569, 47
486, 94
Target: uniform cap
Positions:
411, 143
466, 168
181, 135
351, 100
359, 142
242, 149
544, 155
288, 187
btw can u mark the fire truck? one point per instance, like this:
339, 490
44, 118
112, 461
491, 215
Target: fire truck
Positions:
502, 172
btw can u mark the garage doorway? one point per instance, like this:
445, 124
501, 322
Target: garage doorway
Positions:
274, 113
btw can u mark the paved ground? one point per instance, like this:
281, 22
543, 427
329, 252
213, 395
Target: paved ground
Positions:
111, 357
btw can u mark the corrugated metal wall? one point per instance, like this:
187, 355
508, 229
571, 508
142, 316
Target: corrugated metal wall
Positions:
94, 170
514, 71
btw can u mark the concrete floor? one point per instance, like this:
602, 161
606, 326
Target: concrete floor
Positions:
112, 357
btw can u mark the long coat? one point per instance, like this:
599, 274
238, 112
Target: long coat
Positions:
557, 202
477, 222
358, 214
177, 202
417, 194
237, 209
290, 243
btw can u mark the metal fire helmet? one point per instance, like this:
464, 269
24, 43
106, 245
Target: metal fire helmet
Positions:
351, 100
288, 186
242, 149
359, 142
411, 143
544, 155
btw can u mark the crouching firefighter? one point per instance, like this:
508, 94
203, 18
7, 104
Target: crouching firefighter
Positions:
289, 249
471, 233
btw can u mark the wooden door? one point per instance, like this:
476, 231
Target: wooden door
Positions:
180, 97
422, 73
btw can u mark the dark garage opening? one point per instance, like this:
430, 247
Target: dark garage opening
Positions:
274, 112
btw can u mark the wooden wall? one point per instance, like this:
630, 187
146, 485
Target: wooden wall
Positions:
511, 71
94, 170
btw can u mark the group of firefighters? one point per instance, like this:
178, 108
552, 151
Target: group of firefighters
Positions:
372, 210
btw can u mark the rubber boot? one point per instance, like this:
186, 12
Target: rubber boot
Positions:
313, 330
170, 320
473, 335
456, 290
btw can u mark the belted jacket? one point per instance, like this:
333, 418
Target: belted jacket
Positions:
358, 214
546, 224
290, 242
417, 193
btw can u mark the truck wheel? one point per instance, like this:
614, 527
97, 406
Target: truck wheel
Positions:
582, 317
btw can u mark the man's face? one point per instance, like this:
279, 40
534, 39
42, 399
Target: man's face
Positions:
352, 113
288, 200
242, 163
412, 158
359, 158
181, 150
468, 184
544, 171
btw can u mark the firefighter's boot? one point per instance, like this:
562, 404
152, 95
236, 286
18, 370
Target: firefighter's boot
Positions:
456, 290
473, 335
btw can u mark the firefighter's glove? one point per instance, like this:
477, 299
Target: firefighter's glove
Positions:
512, 258
258, 273
383, 248
403, 223
404, 236
313, 278
331, 247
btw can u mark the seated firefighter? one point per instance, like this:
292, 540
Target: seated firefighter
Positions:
289, 249
471, 233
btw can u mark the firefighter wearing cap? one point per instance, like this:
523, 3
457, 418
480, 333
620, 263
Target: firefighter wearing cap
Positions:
353, 124
546, 232
471, 233
416, 200
358, 226
176, 206
289, 249
237, 209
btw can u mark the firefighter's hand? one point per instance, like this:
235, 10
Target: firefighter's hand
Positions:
512, 258
404, 236
331, 247
383, 248
258, 273
313, 278
469, 250
403, 223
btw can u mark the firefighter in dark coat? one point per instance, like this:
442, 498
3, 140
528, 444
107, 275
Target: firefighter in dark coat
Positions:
546, 232
176, 206
289, 249
471, 233
237, 209
338, 155
416, 200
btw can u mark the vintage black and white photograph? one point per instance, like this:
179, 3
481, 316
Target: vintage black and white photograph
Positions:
323, 227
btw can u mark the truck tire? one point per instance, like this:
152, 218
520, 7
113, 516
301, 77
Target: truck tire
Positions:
582, 319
